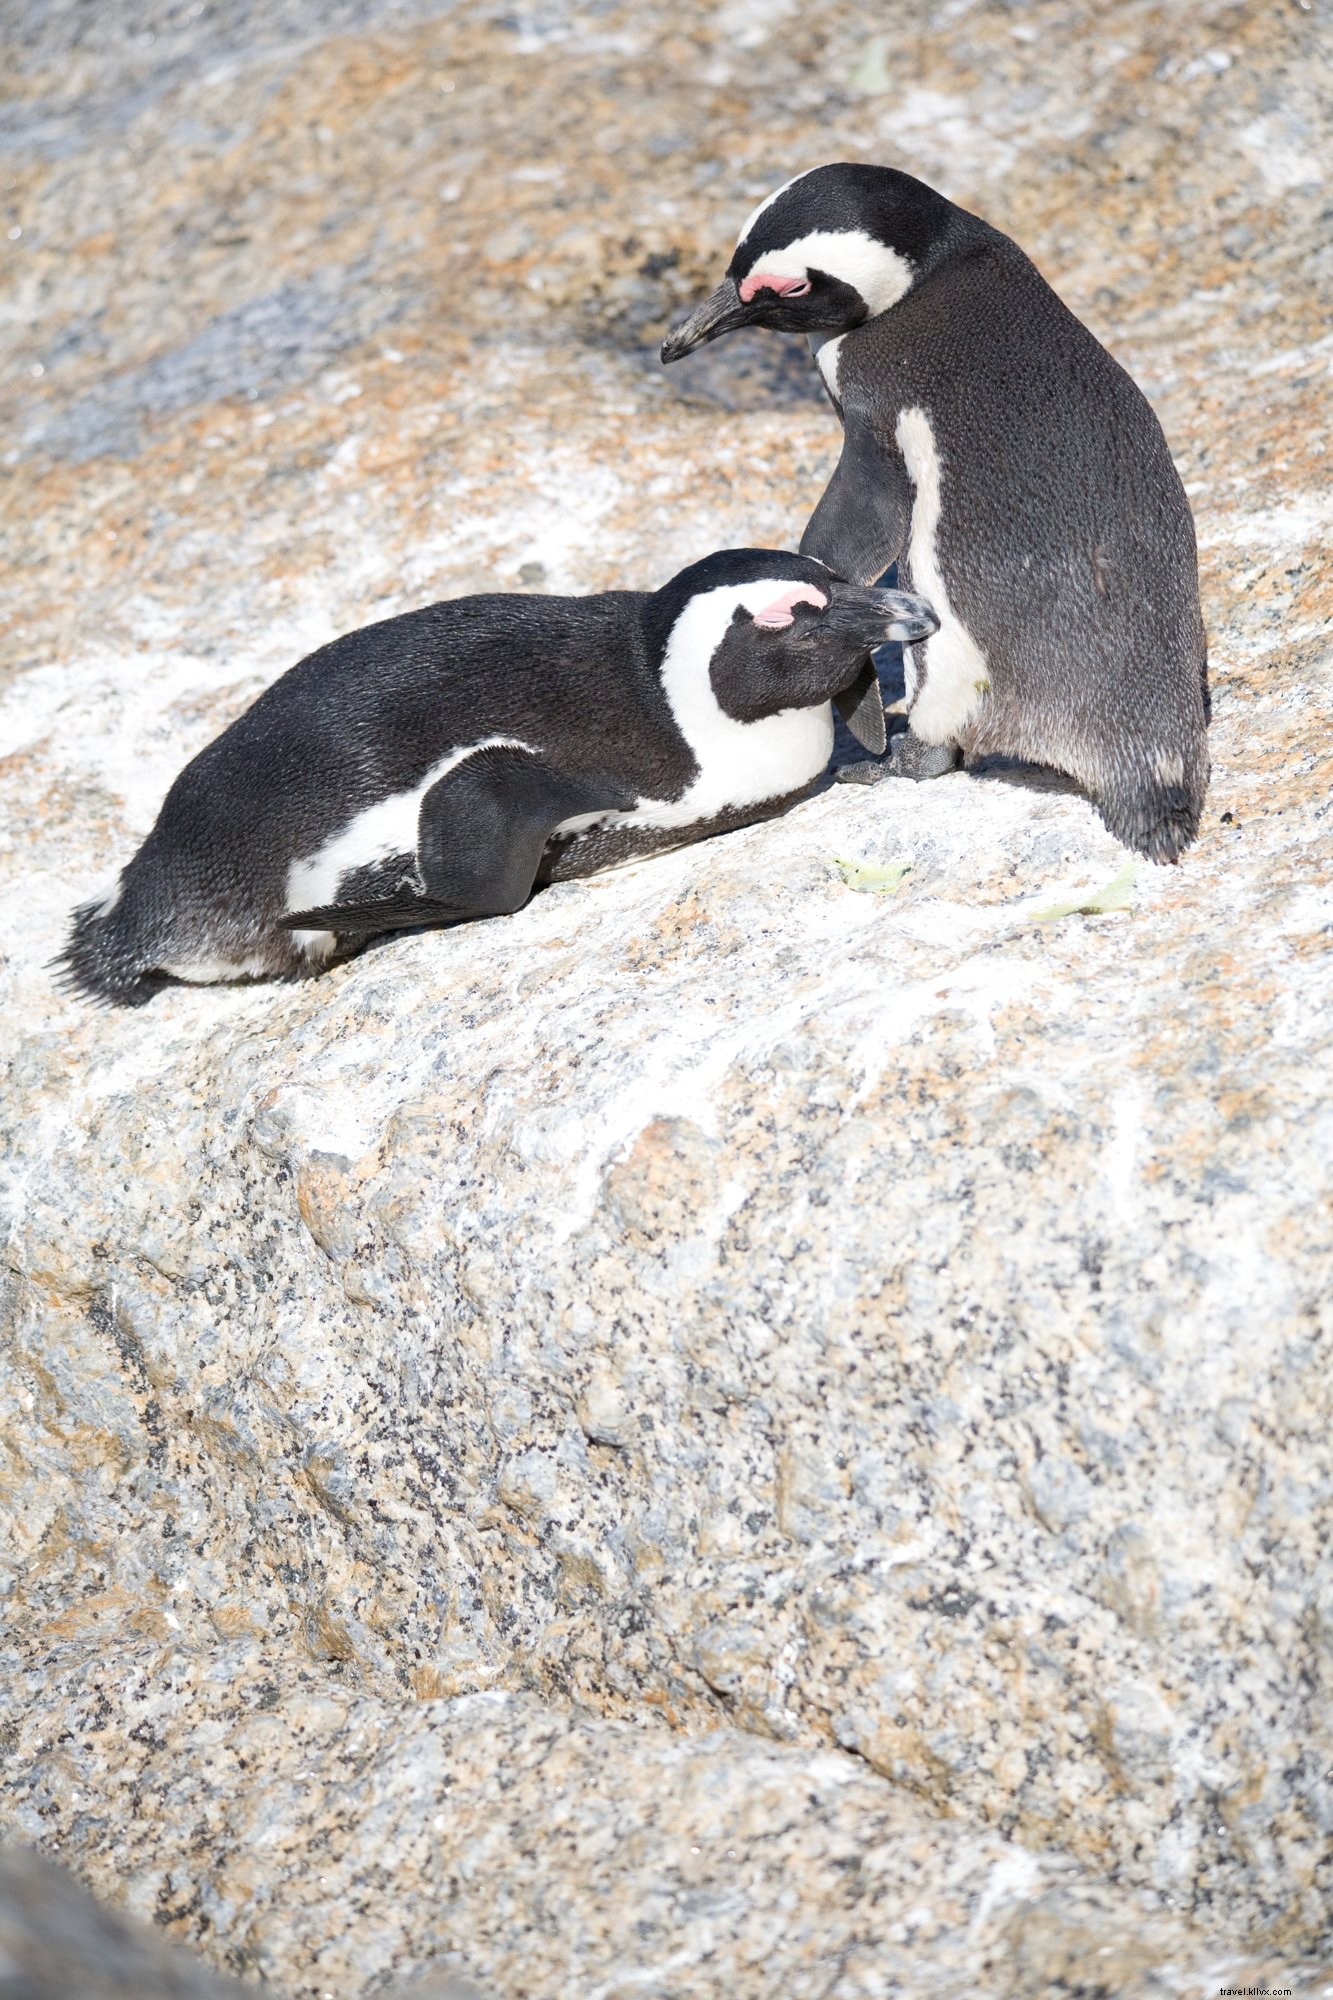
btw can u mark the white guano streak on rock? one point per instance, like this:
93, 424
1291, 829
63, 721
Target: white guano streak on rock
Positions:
1016, 1878
1127, 1112
975, 986
1308, 519
686, 1061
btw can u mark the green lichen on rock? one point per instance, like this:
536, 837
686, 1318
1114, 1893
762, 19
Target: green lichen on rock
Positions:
869, 876
1104, 902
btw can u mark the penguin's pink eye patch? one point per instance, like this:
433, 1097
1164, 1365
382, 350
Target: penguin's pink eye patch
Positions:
770, 281
779, 612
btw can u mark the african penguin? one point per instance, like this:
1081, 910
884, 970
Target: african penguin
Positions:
996, 452
436, 765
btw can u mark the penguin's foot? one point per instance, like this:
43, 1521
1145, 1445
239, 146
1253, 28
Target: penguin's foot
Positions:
871, 771
909, 757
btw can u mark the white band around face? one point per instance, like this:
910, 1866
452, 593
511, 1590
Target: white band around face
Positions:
879, 274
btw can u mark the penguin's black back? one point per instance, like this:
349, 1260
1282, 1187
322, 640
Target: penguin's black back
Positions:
370, 713
312, 807
1059, 474
360, 720
1065, 538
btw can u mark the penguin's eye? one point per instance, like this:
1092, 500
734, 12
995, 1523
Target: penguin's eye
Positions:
810, 630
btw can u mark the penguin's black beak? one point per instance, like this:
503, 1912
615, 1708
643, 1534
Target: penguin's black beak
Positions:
721, 312
871, 617
876, 616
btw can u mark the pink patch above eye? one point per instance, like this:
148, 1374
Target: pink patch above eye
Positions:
768, 281
779, 612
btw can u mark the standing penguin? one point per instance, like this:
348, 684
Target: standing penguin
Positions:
1014, 471
435, 766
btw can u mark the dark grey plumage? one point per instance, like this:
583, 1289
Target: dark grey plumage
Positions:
436, 766
1061, 545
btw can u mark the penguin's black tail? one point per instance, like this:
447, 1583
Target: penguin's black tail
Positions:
104, 959
1157, 816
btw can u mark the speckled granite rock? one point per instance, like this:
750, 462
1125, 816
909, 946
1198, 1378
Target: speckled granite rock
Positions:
720, 1361
58, 1943
333, 1833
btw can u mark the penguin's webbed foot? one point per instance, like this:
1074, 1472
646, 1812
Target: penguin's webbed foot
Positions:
908, 757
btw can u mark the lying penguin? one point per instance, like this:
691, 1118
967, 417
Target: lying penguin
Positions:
997, 453
434, 766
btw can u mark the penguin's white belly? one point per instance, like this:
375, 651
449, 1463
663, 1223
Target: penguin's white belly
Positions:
740, 764
314, 946
376, 833
745, 764
943, 701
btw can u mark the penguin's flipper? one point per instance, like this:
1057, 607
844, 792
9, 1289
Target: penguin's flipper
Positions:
860, 526
481, 833
395, 913
861, 707
485, 824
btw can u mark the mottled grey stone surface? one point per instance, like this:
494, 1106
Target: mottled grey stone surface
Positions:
726, 1434
58, 1943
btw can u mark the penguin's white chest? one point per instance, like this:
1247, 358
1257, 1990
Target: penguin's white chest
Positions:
945, 698
739, 763
743, 763
827, 350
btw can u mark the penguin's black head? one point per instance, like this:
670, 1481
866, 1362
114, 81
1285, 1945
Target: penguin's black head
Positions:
834, 247
756, 632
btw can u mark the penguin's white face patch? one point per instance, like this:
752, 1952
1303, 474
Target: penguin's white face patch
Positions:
768, 202
882, 276
739, 763
780, 611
